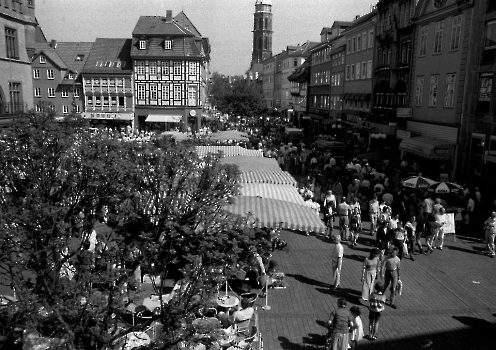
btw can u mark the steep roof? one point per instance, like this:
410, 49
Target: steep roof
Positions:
70, 51
109, 55
157, 25
50, 53
304, 50
184, 21
181, 47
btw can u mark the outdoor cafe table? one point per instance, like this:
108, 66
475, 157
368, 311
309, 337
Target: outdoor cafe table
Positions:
227, 301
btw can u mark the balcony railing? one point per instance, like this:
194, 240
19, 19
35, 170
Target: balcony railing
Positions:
10, 108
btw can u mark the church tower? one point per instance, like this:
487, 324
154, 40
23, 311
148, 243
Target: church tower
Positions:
262, 31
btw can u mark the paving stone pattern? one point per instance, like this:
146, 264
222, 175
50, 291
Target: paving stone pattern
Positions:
448, 296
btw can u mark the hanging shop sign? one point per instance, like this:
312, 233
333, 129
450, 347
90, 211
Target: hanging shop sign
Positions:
403, 113
403, 134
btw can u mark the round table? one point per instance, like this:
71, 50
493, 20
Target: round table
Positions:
227, 301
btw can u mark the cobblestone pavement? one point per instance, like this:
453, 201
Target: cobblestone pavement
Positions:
448, 297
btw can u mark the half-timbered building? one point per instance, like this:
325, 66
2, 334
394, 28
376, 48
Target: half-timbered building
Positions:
170, 62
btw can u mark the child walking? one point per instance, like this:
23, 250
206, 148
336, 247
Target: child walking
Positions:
377, 302
357, 331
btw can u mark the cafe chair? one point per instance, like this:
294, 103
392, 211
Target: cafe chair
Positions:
250, 297
242, 327
247, 342
210, 312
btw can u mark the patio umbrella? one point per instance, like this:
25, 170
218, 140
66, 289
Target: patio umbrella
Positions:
417, 182
445, 187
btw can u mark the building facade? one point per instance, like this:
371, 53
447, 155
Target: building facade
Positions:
170, 64
392, 67
56, 69
18, 34
107, 84
269, 66
439, 70
358, 77
477, 156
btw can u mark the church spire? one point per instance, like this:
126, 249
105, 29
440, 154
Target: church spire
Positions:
262, 31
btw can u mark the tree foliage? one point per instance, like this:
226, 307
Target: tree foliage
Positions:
162, 205
236, 96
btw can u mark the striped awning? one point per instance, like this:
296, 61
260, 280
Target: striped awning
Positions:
272, 212
246, 163
228, 151
285, 193
269, 177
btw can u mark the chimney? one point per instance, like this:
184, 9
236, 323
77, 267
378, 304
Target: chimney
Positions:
168, 17
53, 44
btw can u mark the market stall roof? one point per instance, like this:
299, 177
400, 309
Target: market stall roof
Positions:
228, 151
285, 193
271, 212
247, 163
229, 135
426, 147
268, 177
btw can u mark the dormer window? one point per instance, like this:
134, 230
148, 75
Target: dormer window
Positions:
168, 44
79, 57
71, 76
142, 44
42, 59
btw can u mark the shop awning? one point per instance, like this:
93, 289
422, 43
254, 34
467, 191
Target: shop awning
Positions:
285, 193
426, 147
161, 118
267, 176
228, 151
247, 163
346, 96
271, 212
365, 97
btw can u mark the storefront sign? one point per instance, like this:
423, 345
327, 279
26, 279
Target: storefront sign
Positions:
403, 134
352, 118
403, 113
441, 151
108, 116
415, 148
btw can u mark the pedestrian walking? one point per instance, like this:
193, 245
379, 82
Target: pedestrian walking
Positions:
339, 325
376, 307
490, 231
356, 333
391, 267
369, 273
336, 262
441, 221
374, 214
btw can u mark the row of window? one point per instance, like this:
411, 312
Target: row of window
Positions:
143, 43
360, 42
456, 29
105, 101
165, 92
337, 59
65, 109
50, 74
51, 92
390, 100
357, 105
167, 67
337, 79
359, 70
105, 82
449, 89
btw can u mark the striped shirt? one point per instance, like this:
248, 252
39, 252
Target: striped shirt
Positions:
377, 302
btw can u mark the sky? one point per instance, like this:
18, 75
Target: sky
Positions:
228, 24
